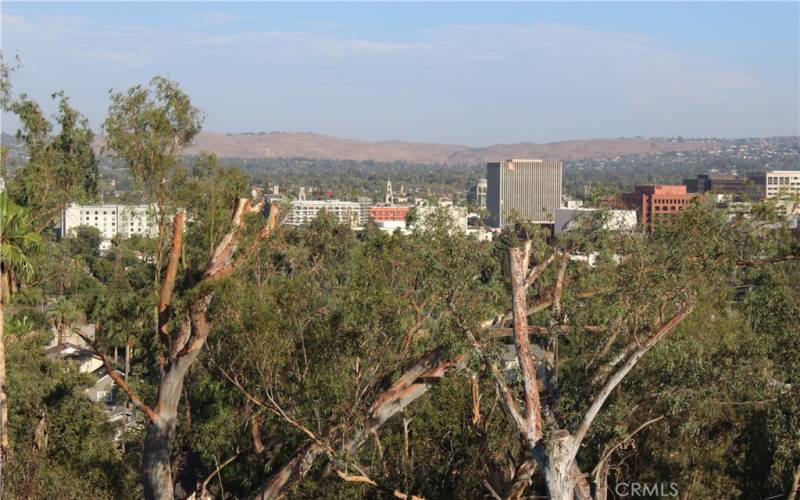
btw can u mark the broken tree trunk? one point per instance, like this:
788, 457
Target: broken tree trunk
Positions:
414, 383
180, 346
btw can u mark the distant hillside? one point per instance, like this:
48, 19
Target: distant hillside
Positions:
327, 147
309, 145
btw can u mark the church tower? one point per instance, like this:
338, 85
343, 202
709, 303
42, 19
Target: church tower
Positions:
389, 196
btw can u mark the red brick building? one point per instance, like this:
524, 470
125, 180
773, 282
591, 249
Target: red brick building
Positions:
655, 202
388, 214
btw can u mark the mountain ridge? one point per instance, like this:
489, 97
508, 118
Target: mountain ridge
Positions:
263, 145
320, 146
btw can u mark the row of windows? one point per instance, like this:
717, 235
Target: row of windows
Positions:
781, 180
96, 212
676, 202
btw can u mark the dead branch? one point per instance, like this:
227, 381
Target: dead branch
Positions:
531, 411
795, 484
507, 332
272, 406
255, 435
767, 261
364, 479
476, 400
202, 493
168, 285
559, 286
538, 269
119, 380
620, 374
611, 449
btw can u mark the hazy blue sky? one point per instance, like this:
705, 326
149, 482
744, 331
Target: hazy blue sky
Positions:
470, 73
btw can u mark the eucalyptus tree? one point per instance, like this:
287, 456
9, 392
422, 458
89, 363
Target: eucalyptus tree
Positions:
61, 168
581, 332
330, 336
146, 129
183, 329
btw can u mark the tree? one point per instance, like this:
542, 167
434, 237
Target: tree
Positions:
61, 169
582, 352
585, 330
181, 344
62, 442
358, 329
147, 128
206, 195
17, 242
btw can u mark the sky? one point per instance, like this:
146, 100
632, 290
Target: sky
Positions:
464, 73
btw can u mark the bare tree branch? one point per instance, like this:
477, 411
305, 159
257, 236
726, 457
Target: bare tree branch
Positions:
771, 260
363, 478
531, 411
619, 375
538, 269
168, 285
119, 380
611, 449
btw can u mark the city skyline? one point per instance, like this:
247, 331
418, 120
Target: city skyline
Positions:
473, 74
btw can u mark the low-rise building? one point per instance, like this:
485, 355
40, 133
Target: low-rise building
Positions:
389, 218
457, 215
775, 184
476, 193
613, 220
719, 183
655, 202
346, 212
113, 221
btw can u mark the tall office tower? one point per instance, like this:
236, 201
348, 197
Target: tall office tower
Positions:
531, 188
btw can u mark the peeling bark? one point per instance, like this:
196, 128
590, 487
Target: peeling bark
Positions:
795, 484
413, 384
180, 352
296, 468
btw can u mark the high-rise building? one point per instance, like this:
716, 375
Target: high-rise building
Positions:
531, 188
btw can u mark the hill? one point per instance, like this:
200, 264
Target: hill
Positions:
317, 146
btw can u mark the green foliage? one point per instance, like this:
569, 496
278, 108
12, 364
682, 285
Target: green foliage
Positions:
208, 194
18, 241
146, 129
61, 442
61, 168
85, 245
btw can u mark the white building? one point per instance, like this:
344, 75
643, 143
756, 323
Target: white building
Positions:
112, 221
458, 215
783, 182
476, 194
347, 212
616, 220
775, 184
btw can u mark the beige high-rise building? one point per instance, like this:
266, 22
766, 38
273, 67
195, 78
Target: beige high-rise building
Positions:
532, 188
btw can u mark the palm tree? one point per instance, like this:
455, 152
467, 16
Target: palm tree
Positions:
17, 242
